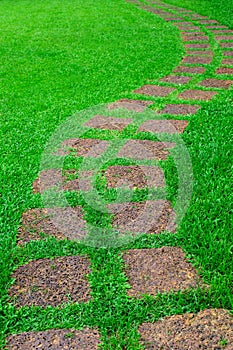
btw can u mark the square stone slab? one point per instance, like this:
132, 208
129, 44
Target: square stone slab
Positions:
197, 60
55, 339
84, 147
197, 46
222, 31
175, 79
108, 123
224, 70
143, 217
152, 271
153, 90
216, 27
134, 176
179, 109
204, 330
223, 37
200, 52
132, 105
195, 38
174, 19
164, 126
217, 83
53, 179
145, 149
52, 282
208, 21
227, 53
192, 70
61, 223
228, 61
226, 45
197, 95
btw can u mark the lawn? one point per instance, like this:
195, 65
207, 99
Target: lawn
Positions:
58, 58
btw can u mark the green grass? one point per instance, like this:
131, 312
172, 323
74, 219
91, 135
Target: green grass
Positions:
59, 57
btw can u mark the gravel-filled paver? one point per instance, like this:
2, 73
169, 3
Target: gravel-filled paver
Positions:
197, 60
223, 37
55, 339
61, 223
216, 83
132, 105
179, 109
175, 79
150, 217
83, 147
224, 70
164, 125
153, 90
108, 123
145, 149
197, 46
152, 271
195, 38
134, 176
210, 329
52, 282
226, 45
200, 52
197, 95
192, 70
227, 53
228, 61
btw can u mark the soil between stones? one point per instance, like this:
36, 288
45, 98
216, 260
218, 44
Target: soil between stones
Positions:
134, 176
152, 271
52, 282
55, 339
205, 330
143, 217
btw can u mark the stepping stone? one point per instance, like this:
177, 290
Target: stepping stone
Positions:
228, 61
216, 27
52, 178
197, 95
152, 271
186, 28
199, 52
134, 176
179, 109
197, 16
151, 217
204, 330
174, 19
132, 105
145, 149
227, 53
224, 70
46, 282
197, 60
222, 31
153, 90
108, 123
223, 37
195, 38
61, 223
164, 126
175, 79
197, 46
208, 21
55, 339
226, 45
84, 147
217, 83
187, 69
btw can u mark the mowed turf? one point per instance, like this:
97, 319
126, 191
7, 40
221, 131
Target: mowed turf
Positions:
61, 57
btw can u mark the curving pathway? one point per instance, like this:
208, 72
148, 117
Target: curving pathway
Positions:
205, 69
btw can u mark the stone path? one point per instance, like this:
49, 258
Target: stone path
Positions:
55, 281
